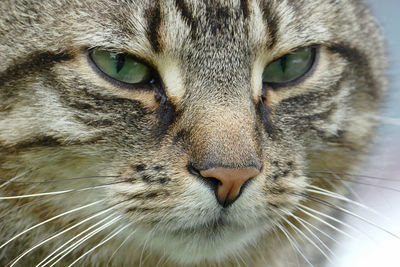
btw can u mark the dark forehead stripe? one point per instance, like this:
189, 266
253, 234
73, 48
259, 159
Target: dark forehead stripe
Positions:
32, 63
244, 6
217, 17
154, 19
272, 21
184, 9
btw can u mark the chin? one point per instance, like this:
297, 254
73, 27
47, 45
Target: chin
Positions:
201, 245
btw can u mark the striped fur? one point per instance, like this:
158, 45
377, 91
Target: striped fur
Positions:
64, 126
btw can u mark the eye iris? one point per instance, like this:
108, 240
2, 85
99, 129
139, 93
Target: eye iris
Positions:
121, 67
289, 67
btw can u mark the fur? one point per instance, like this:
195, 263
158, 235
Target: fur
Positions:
65, 126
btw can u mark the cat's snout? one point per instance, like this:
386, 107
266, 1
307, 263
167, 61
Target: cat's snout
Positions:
230, 182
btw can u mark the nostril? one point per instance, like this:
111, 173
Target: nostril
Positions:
193, 170
212, 183
225, 182
231, 181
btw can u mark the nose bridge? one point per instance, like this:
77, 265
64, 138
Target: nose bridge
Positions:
225, 136
218, 66
218, 108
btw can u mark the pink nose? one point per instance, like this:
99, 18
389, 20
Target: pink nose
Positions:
231, 180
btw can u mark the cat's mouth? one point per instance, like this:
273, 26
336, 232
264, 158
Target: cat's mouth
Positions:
216, 228
213, 240
213, 228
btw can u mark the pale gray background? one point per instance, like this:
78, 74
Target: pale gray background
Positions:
374, 247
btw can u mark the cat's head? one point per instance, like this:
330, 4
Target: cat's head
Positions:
207, 119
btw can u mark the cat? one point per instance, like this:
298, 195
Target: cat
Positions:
182, 133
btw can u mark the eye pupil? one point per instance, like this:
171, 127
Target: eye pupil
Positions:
283, 62
120, 62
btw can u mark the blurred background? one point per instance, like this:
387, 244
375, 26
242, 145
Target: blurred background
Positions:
372, 246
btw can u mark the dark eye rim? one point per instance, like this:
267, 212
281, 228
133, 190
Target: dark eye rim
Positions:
310, 70
155, 79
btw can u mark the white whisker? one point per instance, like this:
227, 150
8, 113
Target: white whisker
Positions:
70, 248
359, 217
294, 227
283, 246
325, 222
348, 187
56, 235
120, 246
317, 229
324, 192
354, 175
56, 192
366, 184
68, 229
58, 180
300, 220
13, 179
236, 260
49, 220
161, 259
146, 240
101, 243
293, 243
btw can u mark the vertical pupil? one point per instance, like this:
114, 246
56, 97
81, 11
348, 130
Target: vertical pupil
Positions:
120, 62
283, 63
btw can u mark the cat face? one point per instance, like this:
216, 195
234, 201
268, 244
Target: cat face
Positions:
199, 126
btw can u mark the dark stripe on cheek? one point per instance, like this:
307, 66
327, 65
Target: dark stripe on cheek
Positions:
264, 114
272, 22
166, 116
45, 141
357, 58
321, 116
351, 54
309, 103
39, 141
126, 112
34, 62
183, 136
295, 104
154, 18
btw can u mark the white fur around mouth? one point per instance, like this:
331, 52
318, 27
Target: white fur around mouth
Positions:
196, 245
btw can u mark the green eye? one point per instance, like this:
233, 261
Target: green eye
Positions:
289, 67
121, 67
